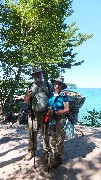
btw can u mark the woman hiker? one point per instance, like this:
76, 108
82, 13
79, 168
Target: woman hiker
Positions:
58, 107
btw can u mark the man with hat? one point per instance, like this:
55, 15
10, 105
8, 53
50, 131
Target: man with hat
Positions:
38, 93
58, 107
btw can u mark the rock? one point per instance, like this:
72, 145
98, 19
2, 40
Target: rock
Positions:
76, 101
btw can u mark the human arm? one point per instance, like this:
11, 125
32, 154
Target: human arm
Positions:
61, 105
64, 111
28, 96
60, 112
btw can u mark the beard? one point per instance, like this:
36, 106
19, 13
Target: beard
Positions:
38, 79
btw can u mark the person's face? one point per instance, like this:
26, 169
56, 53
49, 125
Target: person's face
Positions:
57, 86
37, 76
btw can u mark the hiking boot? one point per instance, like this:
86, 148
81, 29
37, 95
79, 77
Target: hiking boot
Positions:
56, 161
28, 156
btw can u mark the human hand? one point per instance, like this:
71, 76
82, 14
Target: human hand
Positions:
50, 111
65, 93
30, 93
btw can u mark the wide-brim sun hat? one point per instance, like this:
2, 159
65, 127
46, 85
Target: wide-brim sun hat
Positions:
36, 69
61, 80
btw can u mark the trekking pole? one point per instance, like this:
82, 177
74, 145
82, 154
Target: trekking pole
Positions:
33, 140
46, 122
32, 130
49, 152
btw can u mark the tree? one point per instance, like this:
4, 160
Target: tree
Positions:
34, 32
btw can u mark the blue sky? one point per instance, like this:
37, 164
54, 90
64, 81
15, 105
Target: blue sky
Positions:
87, 15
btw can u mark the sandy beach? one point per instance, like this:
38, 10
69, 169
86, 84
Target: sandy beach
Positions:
82, 159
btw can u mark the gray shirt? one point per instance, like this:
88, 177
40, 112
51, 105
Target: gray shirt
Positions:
40, 96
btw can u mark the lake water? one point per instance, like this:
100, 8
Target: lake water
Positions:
93, 100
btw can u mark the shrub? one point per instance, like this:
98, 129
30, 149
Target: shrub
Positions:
92, 119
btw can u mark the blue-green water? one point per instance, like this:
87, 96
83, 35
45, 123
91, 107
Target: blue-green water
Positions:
93, 100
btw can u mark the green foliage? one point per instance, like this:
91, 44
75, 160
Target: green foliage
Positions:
34, 32
7, 90
92, 119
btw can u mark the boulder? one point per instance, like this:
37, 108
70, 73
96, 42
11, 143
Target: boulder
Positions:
76, 101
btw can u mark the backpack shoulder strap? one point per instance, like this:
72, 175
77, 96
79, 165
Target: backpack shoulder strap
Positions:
48, 94
29, 87
55, 99
48, 89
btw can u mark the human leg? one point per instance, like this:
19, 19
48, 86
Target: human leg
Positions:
45, 135
32, 139
44, 130
60, 135
58, 141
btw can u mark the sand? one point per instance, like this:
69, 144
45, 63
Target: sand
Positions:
82, 159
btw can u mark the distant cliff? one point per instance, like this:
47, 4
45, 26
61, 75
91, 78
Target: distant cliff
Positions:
71, 86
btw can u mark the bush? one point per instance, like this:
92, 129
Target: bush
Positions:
92, 119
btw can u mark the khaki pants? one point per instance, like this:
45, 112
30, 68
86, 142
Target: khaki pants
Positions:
58, 136
37, 124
